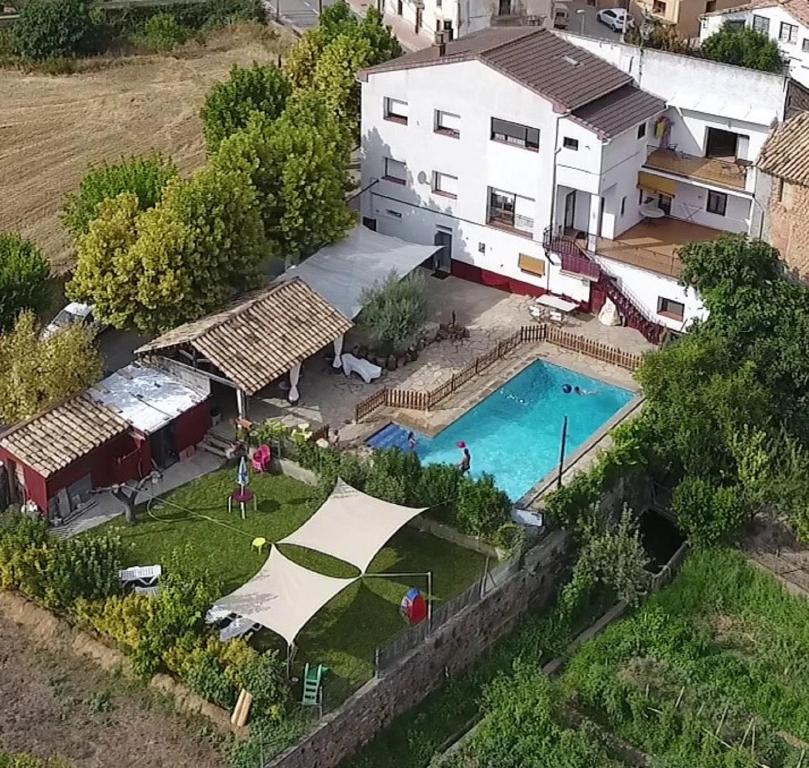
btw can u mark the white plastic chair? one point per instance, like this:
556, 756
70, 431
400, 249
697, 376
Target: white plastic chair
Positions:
147, 574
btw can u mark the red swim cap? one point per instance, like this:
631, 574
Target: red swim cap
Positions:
461, 444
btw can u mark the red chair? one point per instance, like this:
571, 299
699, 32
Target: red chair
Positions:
262, 458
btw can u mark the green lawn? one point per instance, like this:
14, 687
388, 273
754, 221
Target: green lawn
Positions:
347, 630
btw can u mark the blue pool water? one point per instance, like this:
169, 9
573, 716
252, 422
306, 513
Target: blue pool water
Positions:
514, 433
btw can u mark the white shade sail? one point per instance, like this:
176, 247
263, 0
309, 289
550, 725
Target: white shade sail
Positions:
283, 595
351, 525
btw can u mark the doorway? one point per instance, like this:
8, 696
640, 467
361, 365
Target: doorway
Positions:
163, 447
442, 259
570, 210
504, 8
721, 144
664, 203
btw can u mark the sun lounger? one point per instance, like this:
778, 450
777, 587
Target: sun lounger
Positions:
216, 614
146, 574
237, 628
150, 591
366, 370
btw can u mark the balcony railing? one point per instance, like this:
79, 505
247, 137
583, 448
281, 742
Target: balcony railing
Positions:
711, 170
580, 265
559, 243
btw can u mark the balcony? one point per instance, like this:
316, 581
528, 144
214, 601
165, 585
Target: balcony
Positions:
710, 170
653, 244
573, 260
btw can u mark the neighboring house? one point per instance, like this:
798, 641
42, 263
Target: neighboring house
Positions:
783, 184
541, 167
785, 22
135, 420
683, 14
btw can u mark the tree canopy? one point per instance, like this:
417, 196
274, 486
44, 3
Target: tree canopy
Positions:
231, 103
51, 28
143, 176
24, 278
745, 47
37, 373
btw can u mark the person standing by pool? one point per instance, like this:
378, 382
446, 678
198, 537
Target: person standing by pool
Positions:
466, 459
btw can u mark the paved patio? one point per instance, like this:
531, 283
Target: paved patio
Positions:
327, 396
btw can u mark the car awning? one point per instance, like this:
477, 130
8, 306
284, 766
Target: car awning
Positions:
652, 183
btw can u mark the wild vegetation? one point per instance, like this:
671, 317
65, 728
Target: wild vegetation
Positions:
24, 278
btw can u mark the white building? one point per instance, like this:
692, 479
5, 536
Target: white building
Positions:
543, 168
785, 22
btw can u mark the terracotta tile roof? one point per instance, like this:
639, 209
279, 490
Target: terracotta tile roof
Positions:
798, 9
55, 439
262, 335
536, 58
620, 110
786, 152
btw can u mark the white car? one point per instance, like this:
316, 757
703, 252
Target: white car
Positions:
614, 18
70, 315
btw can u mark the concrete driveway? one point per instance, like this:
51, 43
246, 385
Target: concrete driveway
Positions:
583, 22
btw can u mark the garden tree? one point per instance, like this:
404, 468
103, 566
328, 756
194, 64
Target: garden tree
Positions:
143, 176
395, 311
657, 34
299, 171
745, 47
230, 104
52, 28
35, 373
24, 278
154, 270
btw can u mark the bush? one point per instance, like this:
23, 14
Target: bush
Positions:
24, 278
394, 476
162, 33
144, 176
394, 311
708, 514
438, 488
481, 507
510, 537
52, 28
744, 47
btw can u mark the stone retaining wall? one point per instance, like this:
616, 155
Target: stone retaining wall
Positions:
446, 653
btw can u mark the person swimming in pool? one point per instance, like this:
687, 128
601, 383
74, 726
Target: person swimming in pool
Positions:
567, 389
411, 441
466, 458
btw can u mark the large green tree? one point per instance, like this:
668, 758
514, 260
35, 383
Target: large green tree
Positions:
186, 256
231, 103
745, 47
52, 28
37, 373
24, 278
143, 176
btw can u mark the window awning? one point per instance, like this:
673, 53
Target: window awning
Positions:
652, 183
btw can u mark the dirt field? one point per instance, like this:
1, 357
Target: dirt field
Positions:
53, 128
66, 706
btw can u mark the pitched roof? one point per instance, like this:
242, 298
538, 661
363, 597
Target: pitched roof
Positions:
536, 58
54, 439
620, 110
798, 9
786, 152
262, 335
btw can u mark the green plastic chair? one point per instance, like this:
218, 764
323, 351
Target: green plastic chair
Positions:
312, 680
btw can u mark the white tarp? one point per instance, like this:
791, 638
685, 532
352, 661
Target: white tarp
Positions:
351, 525
283, 595
342, 271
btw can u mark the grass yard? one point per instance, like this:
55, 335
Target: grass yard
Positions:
347, 630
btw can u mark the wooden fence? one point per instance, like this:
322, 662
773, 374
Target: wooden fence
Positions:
425, 401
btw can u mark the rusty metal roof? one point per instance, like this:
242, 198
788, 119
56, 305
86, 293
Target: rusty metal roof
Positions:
55, 439
550, 66
786, 152
262, 335
620, 110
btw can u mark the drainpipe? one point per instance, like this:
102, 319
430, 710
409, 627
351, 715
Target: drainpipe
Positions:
556, 149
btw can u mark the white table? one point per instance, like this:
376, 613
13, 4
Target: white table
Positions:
554, 302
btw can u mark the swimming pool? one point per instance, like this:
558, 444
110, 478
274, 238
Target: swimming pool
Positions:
514, 433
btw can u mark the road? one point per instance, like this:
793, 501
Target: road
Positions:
298, 14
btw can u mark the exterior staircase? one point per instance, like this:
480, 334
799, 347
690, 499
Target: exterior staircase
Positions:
218, 446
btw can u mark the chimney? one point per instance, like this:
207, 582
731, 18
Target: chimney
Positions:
441, 38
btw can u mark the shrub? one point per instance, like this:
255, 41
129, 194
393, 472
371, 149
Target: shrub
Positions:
24, 278
162, 33
144, 176
744, 47
481, 507
394, 311
52, 28
394, 476
509, 536
438, 486
706, 513
264, 677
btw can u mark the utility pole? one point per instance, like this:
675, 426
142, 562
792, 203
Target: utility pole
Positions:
562, 453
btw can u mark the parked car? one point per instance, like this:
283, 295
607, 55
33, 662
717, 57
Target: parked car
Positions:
614, 19
71, 314
561, 17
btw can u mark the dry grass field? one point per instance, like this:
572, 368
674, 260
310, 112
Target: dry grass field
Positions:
53, 127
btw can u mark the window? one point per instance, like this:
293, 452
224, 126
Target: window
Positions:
641, 130
674, 310
393, 214
396, 110
569, 143
514, 133
444, 184
510, 210
805, 45
717, 203
447, 123
788, 33
395, 171
734, 24
659, 7
710, 6
623, 206
761, 24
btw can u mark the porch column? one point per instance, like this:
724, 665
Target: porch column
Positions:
338, 351
594, 222
294, 375
241, 403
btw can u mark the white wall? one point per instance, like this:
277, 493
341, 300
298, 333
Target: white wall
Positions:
798, 58
690, 203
